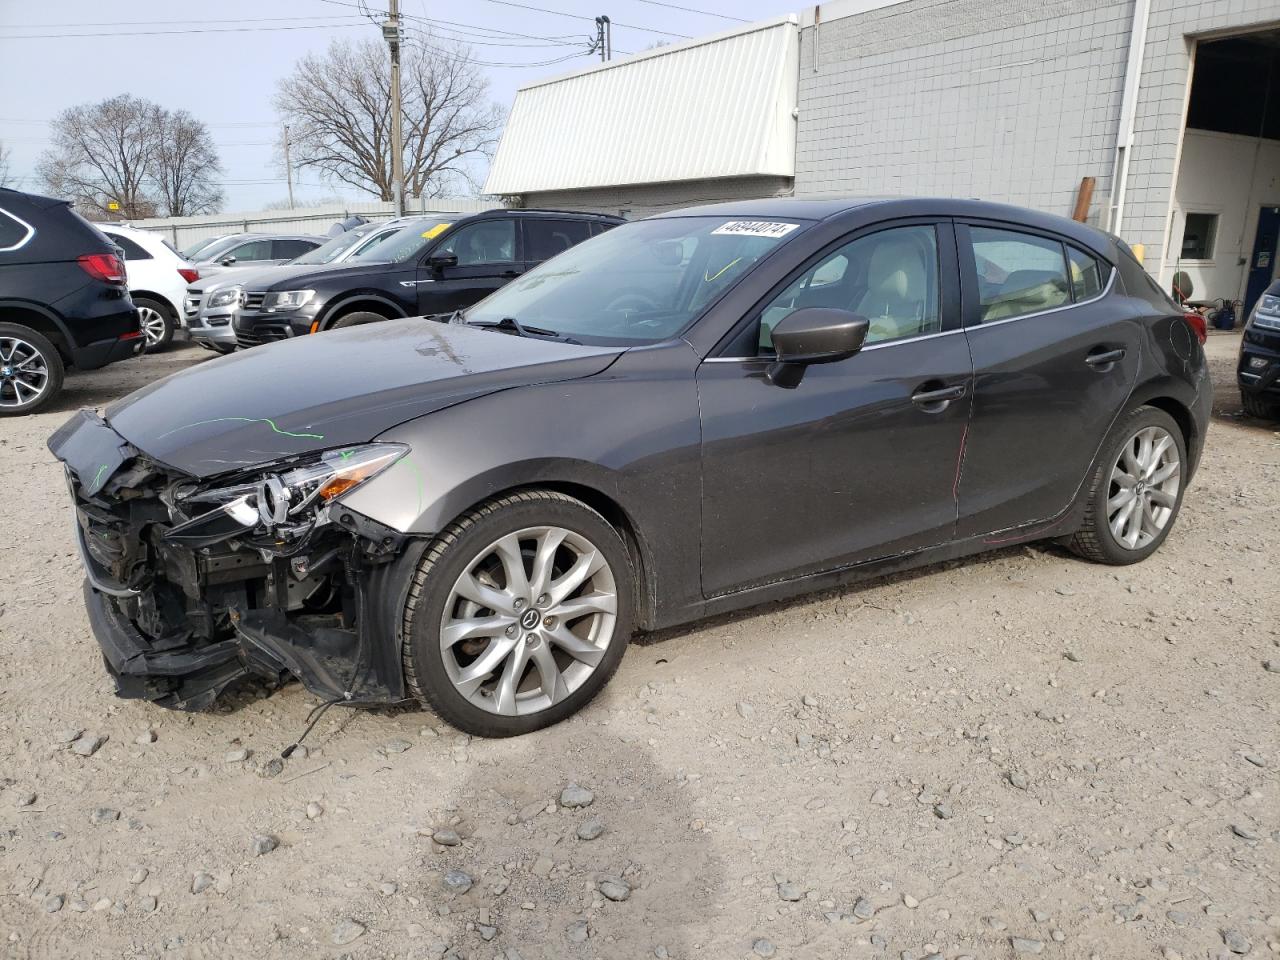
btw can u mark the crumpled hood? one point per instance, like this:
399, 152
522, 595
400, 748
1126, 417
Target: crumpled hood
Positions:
334, 389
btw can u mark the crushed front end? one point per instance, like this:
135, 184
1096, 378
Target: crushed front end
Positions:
193, 583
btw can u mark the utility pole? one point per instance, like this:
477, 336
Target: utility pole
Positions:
604, 39
391, 33
288, 168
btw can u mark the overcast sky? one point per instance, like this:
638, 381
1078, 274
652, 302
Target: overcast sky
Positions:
226, 75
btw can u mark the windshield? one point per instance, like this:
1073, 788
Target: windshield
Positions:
405, 244
333, 249
639, 283
191, 250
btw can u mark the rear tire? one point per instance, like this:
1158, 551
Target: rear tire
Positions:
543, 625
157, 323
356, 319
31, 370
1135, 491
1260, 407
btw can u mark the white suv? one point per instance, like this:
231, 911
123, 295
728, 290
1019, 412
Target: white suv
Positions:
158, 279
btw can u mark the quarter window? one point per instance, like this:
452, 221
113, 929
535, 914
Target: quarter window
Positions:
132, 251
1086, 278
890, 277
489, 241
12, 232
545, 238
1018, 273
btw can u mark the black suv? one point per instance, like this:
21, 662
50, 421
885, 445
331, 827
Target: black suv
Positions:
63, 300
1258, 370
436, 265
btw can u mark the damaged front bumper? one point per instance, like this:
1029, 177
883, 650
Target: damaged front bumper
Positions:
184, 606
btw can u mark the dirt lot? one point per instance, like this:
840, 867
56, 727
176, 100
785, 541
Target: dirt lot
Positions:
1018, 754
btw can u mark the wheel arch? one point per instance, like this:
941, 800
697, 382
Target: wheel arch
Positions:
42, 321
159, 298
1178, 401
372, 302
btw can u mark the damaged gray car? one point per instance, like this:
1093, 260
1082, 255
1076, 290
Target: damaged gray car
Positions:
686, 415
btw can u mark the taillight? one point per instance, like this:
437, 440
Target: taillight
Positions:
189, 275
1196, 322
106, 267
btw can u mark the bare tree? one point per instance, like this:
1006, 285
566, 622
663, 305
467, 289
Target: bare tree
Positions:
135, 154
100, 154
4, 164
184, 165
338, 108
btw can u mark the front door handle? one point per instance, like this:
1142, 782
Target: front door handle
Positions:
935, 399
1105, 358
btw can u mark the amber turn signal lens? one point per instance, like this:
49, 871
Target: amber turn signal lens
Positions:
315, 326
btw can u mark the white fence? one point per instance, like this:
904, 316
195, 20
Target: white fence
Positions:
183, 231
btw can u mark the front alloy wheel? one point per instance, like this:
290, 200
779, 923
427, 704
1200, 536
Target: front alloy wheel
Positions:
518, 615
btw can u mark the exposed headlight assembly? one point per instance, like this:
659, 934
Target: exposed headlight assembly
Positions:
286, 300
227, 297
287, 503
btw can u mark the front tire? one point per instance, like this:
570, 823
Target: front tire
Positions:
31, 370
356, 319
1135, 491
1256, 406
157, 323
518, 615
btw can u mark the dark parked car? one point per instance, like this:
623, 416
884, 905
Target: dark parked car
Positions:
689, 414
436, 266
63, 300
1258, 370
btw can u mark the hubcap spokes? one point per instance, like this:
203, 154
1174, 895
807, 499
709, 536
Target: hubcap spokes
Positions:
152, 325
24, 375
529, 620
1144, 488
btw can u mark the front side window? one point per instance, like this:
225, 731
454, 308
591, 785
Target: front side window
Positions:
1018, 273
643, 282
890, 277
477, 244
251, 251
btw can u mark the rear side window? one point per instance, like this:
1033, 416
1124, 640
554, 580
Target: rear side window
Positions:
13, 233
1018, 273
132, 251
545, 238
1086, 278
288, 249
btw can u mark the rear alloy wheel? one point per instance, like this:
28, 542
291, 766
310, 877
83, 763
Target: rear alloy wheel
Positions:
1136, 491
157, 326
519, 614
30, 370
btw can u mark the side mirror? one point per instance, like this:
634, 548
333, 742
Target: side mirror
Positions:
440, 262
227, 261
814, 335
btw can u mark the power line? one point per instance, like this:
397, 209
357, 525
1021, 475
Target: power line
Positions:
148, 23
161, 33
705, 13
577, 16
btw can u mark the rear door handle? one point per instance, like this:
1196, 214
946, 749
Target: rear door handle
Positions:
938, 398
1105, 357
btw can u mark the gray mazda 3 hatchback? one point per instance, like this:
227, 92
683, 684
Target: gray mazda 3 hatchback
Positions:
686, 415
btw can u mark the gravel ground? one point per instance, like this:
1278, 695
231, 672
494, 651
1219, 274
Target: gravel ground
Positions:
1020, 754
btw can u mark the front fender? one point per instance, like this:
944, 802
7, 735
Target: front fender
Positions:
331, 310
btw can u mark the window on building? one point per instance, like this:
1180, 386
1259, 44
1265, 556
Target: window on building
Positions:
1018, 273
1086, 278
890, 277
1199, 231
543, 239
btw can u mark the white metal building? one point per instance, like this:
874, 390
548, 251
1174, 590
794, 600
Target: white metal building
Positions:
1171, 106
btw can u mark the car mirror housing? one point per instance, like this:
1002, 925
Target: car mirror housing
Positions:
440, 262
227, 261
814, 335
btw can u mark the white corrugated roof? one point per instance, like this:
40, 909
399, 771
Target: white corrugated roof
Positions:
720, 106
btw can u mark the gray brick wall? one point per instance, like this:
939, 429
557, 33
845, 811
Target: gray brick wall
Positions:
645, 199
1010, 100
1013, 100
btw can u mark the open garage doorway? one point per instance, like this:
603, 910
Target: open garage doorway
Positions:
1225, 228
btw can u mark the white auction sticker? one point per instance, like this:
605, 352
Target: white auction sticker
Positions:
754, 228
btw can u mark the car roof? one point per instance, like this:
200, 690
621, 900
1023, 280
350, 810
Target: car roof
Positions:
791, 208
